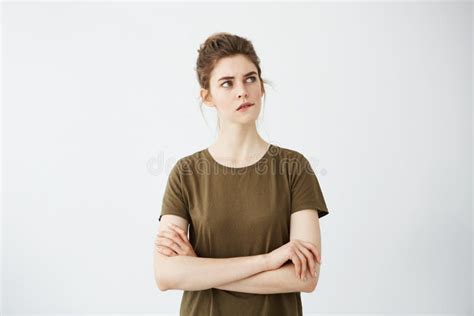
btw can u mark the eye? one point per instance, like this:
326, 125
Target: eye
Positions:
251, 77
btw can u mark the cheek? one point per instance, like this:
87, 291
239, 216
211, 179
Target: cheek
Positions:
225, 107
256, 90
226, 103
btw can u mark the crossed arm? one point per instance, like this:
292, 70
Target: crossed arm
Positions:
282, 280
304, 226
252, 279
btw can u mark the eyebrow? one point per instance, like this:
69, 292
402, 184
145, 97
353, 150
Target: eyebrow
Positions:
229, 77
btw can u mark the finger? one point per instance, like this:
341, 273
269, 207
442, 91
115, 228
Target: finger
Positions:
170, 243
175, 234
311, 264
174, 237
166, 251
161, 243
184, 244
185, 248
180, 231
313, 249
303, 262
297, 263
172, 252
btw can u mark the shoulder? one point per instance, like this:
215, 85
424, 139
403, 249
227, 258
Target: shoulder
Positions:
289, 155
288, 152
188, 163
294, 163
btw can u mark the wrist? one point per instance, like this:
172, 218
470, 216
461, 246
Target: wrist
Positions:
263, 261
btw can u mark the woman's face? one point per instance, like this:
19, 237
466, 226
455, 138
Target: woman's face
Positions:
234, 80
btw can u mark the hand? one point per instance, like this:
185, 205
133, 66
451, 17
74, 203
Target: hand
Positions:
302, 254
174, 242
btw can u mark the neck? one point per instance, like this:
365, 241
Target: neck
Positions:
239, 142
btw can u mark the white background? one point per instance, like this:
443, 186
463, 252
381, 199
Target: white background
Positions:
101, 99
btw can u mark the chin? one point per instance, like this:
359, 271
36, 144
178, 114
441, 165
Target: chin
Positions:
241, 117
248, 121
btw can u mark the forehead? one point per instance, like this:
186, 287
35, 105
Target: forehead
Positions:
235, 66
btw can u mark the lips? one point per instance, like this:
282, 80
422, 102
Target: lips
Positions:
244, 104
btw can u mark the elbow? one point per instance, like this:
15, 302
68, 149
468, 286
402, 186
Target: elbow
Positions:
162, 272
161, 277
161, 284
164, 280
310, 285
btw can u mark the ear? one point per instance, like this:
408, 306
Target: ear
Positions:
206, 97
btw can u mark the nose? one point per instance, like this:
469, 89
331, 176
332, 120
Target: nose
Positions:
243, 93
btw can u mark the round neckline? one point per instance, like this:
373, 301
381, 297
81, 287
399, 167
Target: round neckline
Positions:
208, 154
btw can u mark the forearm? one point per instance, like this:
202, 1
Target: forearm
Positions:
196, 273
282, 280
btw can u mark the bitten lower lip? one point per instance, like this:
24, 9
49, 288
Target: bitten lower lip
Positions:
245, 107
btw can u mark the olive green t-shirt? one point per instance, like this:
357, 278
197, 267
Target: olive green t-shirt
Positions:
236, 212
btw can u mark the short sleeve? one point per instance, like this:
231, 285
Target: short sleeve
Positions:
305, 190
173, 198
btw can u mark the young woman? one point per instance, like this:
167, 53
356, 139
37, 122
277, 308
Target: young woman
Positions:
252, 207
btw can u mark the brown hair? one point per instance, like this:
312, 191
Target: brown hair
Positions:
220, 45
